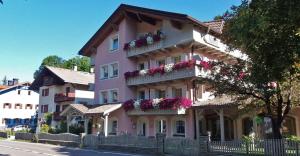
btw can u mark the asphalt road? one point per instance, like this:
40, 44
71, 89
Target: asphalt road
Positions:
15, 148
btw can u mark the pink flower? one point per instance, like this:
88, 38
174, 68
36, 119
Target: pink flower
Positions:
241, 75
206, 65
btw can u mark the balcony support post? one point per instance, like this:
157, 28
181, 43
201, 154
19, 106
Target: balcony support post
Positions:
106, 125
86, 125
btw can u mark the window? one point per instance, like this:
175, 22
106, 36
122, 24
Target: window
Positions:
161, 62
115, 70
7, 105
160, 94
114, 95
114, 127
29, 92
57, 108
176, 59
19, 92
141, 66
28, 106
247, 125
177, 92
161, 126
103, 97
18, 106
44, 108
104, 72
45, 92
114, 43
179, 128
141, 95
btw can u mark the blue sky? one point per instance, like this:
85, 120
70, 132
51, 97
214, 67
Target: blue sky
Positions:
30, 30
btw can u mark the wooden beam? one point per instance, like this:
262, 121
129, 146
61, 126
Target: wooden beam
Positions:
115, 27
147, 19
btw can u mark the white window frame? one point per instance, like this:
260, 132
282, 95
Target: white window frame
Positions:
157, 124
110, 126
110, 99
111, 72
116, 36
102, 97
102, 72
174, 126
174, 91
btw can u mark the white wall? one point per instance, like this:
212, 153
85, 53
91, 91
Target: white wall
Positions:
13, 98
84, 96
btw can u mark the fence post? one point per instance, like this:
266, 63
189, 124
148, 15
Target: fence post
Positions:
247, 147
160, 138
297, 149
204, 145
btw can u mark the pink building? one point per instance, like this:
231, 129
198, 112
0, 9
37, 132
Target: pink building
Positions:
146, 65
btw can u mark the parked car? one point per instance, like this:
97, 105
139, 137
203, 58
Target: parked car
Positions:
19, 128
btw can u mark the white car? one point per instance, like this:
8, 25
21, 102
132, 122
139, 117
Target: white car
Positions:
19, 128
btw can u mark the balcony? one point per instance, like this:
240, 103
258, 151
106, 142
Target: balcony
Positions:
181, 70
145, 49
62, 97
57, 117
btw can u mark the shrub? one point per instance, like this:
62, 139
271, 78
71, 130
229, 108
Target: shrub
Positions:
45, 128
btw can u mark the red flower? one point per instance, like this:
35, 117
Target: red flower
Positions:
126, 46
241, 75
206, 65
146, 104
131, 74
156, 37
128, 105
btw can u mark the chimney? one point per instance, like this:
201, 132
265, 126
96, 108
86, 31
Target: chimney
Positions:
75, 68
92, 70
15, 81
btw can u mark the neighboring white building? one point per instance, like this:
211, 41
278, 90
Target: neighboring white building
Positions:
59, 88
18, 106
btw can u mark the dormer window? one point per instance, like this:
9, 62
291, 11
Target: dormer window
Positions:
114, 43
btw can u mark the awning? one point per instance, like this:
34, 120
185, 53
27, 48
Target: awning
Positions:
91, 109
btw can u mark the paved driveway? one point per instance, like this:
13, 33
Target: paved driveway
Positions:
14, 148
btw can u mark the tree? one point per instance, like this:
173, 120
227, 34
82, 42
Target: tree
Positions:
266, 31
83, 63
4, 80
218, 17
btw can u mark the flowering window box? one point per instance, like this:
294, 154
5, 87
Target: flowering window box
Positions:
158, 104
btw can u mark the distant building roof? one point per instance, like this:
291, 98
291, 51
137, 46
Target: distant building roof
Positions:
71, 76
64, 76
3, 87
216, 25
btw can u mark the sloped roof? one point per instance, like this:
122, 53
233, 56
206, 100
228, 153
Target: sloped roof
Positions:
119, 14
92, 109
216, 25
71, 76
17, 86
220, 101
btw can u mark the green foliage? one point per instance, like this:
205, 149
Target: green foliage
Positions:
83, 63
269, 79
61, 129
218, 17
75, 129
45, 128
247, 139
293, 138
48, 118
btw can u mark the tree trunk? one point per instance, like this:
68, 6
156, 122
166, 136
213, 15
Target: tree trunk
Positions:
276, 126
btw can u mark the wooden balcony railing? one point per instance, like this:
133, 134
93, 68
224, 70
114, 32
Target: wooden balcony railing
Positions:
173, 75
57, 117
62, 97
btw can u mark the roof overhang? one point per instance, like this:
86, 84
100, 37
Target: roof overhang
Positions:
124, 11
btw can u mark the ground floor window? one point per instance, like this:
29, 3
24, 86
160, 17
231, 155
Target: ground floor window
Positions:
114, 127
247, 124
179, 128
289, 126
142, 128
161, 126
